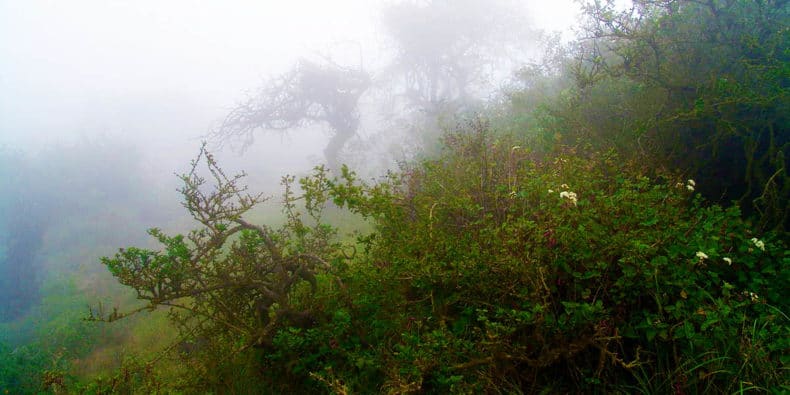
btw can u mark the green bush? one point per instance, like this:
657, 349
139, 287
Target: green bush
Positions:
697, 87
490, 269
513, 272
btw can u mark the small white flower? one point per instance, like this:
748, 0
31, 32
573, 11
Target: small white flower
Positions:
691, 182
515, 147
690, 187
551, 191
701, 255
564, 186
570, 196
758, 243
753, 296
728, 260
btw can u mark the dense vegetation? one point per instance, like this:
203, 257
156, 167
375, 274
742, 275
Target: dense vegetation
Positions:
616, 223
690, 85
487, 270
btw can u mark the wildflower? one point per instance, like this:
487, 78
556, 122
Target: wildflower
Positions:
570, 196
691, 182
701, 255
551, 191
564, 186
753, 296
758, 243
728, 260
690, 187
515, 147
679, 185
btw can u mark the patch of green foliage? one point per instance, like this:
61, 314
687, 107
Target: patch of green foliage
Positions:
47, 340
512, 273
697, 87
489, 269
18, 368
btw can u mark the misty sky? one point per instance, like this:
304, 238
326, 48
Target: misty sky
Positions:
159, 72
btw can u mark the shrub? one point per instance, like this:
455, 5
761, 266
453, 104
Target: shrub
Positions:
514, 273
489, 269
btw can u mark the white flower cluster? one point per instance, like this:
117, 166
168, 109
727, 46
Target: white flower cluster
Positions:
690, 184
570, 196
702, 256
758, 243
728, 260
753, 296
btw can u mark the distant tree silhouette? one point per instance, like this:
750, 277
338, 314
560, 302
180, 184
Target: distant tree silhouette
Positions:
445, 50
310, 93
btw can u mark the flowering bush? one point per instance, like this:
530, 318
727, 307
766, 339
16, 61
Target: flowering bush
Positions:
504, 286
475, 279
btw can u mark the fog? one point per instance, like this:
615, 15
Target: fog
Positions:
154, 73
101, 102
161, 72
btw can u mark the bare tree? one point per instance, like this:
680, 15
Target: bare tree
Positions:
310, 93
446, 55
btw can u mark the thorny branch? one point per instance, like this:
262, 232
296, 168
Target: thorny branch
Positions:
235, 274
